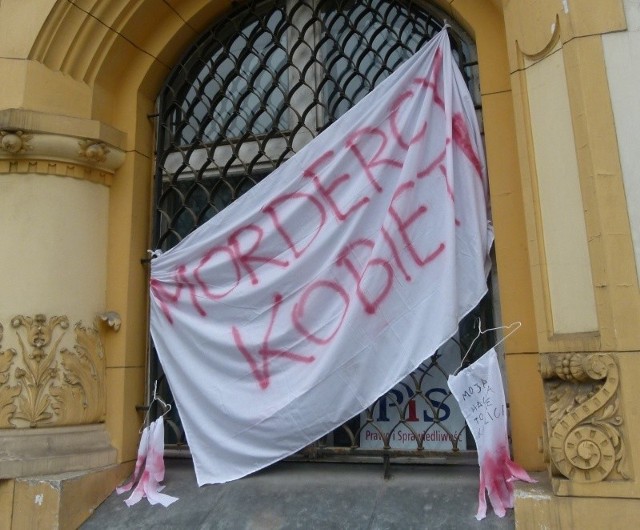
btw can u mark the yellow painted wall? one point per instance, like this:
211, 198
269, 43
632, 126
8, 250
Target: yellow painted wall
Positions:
564, 233
622, 58
485, 21
546, 42
577, 219
55, 252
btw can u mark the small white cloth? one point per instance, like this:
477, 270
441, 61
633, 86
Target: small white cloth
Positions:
479, 391
149, 470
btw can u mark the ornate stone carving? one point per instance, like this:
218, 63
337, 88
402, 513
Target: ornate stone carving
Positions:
8, 393
93, 151
39, 366
80, 397
112, 319
40, 143
15, 141
54, 385
585, 442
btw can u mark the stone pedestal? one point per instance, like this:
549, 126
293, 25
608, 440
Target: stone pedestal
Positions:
30, 452
63, 500
536, 507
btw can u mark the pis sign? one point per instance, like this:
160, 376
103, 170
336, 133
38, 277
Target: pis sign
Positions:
434, 416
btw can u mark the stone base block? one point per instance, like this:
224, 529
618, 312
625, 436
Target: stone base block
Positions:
537, 507
45, 451
62, 501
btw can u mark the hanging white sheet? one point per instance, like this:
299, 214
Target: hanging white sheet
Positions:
479, 391
149, 470
303, 301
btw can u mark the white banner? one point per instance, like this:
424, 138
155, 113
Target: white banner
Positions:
480, 393
326, 284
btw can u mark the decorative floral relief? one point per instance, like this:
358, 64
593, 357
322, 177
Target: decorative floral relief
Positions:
8, 393
53, 385
80, 396
15, 142
583, 416
38, 356
112, 319
93, 151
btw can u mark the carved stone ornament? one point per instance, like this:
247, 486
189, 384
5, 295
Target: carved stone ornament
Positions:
93, 151
15, 142
111, 319
8, 393
46, 383
51, 153
584, 423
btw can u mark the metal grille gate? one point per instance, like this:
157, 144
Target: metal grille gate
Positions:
252, 91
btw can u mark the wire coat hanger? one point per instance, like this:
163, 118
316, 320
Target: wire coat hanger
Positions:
166, 407
513, 327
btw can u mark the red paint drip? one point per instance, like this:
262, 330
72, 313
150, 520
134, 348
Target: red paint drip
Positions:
497, 473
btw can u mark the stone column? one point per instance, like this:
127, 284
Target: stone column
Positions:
55, 174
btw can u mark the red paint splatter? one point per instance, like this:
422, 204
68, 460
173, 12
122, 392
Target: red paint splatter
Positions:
497, 473
462, 138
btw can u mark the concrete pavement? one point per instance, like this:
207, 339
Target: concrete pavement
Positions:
314, 496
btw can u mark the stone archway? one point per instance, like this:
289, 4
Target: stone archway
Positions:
132, 99
122, 61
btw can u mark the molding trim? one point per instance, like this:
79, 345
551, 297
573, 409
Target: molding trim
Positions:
534, 56
55, 154
37, 452
34, 142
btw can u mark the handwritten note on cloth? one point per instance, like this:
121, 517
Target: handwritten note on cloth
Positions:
480, 393
298, 305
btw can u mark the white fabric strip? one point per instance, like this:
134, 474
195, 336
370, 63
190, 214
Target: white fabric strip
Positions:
479, 391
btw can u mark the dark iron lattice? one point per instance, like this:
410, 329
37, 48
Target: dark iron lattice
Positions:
252, 91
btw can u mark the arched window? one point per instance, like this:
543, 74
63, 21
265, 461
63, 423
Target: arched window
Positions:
253, 90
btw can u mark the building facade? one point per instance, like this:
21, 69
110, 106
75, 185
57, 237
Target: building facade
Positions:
80, 83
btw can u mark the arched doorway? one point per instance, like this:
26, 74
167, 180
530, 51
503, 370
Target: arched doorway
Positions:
247, 95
